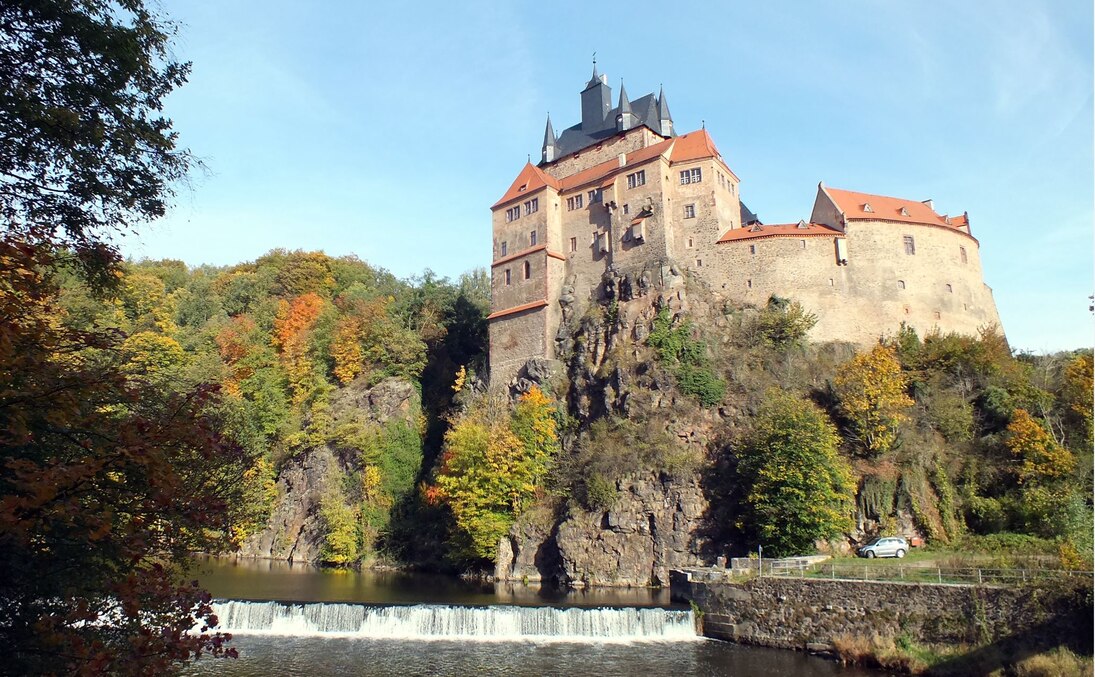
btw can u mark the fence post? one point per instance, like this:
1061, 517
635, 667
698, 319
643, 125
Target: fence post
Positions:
939, 573
901, 572
978, 577
832, 567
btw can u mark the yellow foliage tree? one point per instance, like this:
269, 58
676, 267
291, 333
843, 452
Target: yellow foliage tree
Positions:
1041, 459
492, 467
346, 349
871, 390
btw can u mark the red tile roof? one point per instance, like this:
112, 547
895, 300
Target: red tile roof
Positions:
882, 208
962, 221
779, 230
517, 309
530, 180
692, 146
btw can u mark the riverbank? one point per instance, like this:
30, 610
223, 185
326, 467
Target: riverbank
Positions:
912, 627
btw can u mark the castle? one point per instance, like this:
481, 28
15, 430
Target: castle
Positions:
622, 191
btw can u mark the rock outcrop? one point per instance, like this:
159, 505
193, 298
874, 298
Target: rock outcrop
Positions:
652, 527
294, 530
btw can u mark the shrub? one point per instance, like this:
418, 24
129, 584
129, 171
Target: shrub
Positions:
783, 323
687, 356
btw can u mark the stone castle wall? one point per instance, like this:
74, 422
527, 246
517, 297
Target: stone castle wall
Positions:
809, 613
880, 286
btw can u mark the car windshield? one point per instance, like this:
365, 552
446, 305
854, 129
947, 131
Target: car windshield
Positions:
874, 541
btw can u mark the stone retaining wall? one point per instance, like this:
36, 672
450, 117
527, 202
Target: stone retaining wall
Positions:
809, 613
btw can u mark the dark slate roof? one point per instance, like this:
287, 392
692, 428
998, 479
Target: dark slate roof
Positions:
573, 139
747, 217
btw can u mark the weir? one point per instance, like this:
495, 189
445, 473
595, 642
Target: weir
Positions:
445, 622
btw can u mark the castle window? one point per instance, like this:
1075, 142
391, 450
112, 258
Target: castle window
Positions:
573, 244
831, 284
689, 243
937, 316
900, 284
513, 213
504, 248
532, 238
532, 206
506, 275
749, 283
528, 270
626, 209
691, 176
910, 246
804, 244
699, 263
594, 196
950, 289
690, 211
752, 249
636, 179
962, 254
575, 202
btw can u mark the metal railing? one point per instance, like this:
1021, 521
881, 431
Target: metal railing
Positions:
914, 573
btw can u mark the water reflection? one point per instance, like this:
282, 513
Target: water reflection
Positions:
247, 579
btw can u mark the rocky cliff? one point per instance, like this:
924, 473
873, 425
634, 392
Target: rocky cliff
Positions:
625, 517
653, 526
294, 530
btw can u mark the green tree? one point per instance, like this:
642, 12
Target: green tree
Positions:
798, 488
84, 148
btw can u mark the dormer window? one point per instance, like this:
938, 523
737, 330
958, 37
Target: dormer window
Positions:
904, 212
867, 207
802, 225
522, 188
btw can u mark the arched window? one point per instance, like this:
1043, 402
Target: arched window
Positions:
528, 270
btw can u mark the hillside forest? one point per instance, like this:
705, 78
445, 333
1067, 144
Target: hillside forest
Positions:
808, 443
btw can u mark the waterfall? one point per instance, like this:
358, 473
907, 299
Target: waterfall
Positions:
443, 622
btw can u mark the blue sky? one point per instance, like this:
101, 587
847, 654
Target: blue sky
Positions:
387, 130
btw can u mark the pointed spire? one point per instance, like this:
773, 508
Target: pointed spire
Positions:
625, 118
665, 118
550, 150
549, 133
596, 76
625, 104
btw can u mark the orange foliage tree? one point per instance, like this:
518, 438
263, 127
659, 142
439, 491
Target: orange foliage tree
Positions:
292, 331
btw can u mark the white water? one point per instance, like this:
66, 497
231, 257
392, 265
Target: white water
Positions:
443, 622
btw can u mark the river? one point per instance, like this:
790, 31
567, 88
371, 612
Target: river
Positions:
300, 620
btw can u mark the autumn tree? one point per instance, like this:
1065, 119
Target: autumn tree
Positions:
1040, 459
871, 390
292, 334
798, 488
106, 486
493, 464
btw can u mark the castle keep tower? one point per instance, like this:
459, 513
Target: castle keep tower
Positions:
621, 190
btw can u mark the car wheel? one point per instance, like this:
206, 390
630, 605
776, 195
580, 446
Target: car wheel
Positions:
870, 554
900, 553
